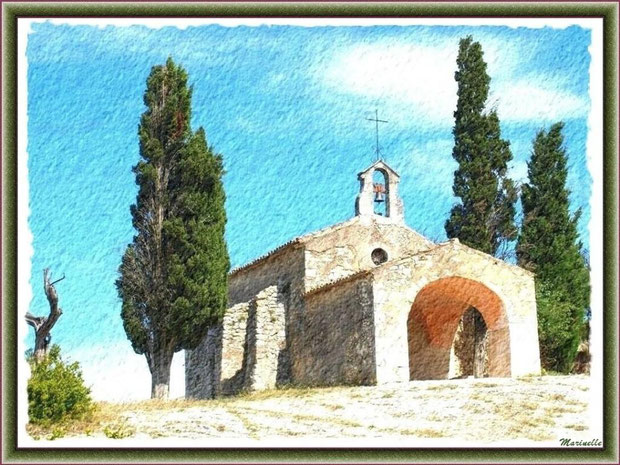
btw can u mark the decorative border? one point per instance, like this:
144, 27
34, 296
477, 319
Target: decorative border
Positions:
11, 11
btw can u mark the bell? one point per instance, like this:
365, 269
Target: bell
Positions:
379, 190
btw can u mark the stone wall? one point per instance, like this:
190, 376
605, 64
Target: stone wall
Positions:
242, 353
346, 249
338, 336
285, 270
216, 366
284, 267
202, 366
233, 337
265, 340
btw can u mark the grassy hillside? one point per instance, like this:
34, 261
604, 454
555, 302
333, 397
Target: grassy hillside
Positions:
481, 410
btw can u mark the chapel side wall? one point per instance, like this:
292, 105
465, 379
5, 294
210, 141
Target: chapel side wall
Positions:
337, 346
284, 268
347, 250
216, 366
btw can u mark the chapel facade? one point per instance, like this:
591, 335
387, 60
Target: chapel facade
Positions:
368, 301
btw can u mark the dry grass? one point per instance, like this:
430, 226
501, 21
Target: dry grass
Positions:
308, 418
334, 406
110, 419
531, 408
286, 392
577, 427
423, 433
442, 387
251, 427
105, 417
531, 416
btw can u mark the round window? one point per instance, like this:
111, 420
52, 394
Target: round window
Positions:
379, 256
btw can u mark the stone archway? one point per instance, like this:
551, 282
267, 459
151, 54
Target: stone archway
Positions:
433, 321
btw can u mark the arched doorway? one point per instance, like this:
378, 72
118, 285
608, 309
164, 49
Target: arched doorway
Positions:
469, 353
433, 321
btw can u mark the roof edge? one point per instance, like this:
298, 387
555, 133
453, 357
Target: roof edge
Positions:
296, 240
384, 165
265, 256
456, 242
330, 284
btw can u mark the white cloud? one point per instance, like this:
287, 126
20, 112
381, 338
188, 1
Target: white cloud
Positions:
417, 82
418, 77
537, 100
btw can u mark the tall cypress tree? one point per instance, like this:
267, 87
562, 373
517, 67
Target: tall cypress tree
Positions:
484, 218
173, 276
549, 246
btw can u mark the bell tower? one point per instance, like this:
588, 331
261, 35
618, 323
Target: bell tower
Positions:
378, 195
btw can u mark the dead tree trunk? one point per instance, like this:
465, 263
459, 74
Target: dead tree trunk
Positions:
43, 324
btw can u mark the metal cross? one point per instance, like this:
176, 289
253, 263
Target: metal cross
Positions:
377, 121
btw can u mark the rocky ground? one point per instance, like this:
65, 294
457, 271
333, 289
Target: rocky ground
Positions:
538, 409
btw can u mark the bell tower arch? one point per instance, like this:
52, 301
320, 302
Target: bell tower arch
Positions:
380, 189
378, 195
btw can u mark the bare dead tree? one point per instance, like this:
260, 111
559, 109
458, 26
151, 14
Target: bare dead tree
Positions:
43, 324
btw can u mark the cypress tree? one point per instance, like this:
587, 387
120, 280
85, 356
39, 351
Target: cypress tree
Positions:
549, 246
173, 276
484, 218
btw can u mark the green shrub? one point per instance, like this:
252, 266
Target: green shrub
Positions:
559, 329
57, 433
118, 431
56, 391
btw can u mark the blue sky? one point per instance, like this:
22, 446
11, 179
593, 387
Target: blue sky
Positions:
287, 108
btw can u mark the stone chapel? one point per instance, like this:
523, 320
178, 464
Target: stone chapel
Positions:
368, 301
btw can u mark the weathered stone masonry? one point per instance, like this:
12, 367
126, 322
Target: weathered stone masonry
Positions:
337, 345
368, 301
243, 352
